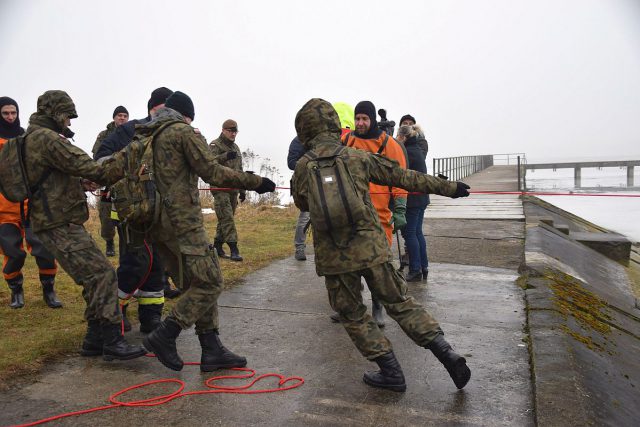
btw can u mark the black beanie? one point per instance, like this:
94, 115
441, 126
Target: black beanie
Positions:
119, 109
158, 96
367, 107
10, 130
408, 117
181, 103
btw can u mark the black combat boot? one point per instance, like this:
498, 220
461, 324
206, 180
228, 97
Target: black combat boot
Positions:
376, 311
150, 316
389, 376
169, 292
235, 253
455, 364
414, 276
93, 342
111, 250
216, 356
425, 274
48, 293
126, 324
17, 293
217, 244
335, 318
162, 342
116, 347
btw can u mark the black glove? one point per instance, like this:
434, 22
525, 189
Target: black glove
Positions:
461, 191
243, 197
266, 186
231, 155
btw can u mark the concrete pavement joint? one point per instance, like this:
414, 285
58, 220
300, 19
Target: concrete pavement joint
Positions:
274, 310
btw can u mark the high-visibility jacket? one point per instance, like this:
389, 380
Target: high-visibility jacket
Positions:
10, 211
380, 194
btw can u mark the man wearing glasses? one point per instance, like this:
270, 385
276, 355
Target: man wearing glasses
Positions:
225, 202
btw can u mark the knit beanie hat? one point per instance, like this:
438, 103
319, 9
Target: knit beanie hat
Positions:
367, 107
120, 109
181, 103
408, 117
158, 96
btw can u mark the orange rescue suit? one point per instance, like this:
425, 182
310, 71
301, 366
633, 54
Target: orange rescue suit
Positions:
9, 211
380, 195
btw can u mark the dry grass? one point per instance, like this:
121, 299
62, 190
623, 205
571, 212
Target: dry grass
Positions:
36, 334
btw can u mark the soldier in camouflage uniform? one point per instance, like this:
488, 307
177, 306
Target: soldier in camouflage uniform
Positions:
107, 226
181, 155
367, 253
225, 202
59, 210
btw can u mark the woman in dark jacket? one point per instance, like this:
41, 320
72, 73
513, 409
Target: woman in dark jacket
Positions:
416, 244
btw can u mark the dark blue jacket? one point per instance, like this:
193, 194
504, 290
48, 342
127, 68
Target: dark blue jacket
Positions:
416, 162
119, 139
296, 150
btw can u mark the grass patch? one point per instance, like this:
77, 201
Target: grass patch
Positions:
36, 334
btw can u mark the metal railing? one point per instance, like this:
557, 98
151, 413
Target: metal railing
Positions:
460, 167
457, 168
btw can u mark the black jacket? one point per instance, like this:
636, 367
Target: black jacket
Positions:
416, 162
119, 139
296, 150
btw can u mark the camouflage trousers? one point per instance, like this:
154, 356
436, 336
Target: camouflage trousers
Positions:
107, 226
225, 205
389, 288
201, 285
77, 253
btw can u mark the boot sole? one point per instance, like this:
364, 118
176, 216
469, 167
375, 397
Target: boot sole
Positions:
399, 388
210, 368
110, 357
147, 344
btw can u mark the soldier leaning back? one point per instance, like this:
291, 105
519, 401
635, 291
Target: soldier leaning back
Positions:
181, 155
367, 252
59, 210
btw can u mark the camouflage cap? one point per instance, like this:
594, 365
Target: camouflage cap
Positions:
315, 117
54, 103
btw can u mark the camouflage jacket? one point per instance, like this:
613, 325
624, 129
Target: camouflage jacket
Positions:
181, 155
111, 127
369, 245
60, 199
220, 147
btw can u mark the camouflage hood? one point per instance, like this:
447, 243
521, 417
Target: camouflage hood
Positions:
54, 107
317, 118
161, 116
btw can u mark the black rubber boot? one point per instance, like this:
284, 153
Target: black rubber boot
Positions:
376, 311
455, 364
17, 293
162, 342
389, 376
116, 347
217, 244
425, 274
216, 356
111, 250
235, 253
150, 317
169, 292
93, 342
414, 276
49, 294
126, 324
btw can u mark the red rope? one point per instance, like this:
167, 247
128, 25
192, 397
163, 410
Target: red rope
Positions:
527, 193
284, 383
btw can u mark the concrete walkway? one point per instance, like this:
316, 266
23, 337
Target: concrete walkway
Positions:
278, 318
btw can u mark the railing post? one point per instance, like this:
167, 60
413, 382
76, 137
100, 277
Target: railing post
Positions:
577, 175
629, 176
519, 186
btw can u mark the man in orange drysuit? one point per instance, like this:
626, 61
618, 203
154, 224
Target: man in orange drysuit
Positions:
13, 231
369, 137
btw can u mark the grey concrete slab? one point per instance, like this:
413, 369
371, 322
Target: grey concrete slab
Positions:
278, 318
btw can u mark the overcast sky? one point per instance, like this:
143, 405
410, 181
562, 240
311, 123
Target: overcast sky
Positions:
557, 80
